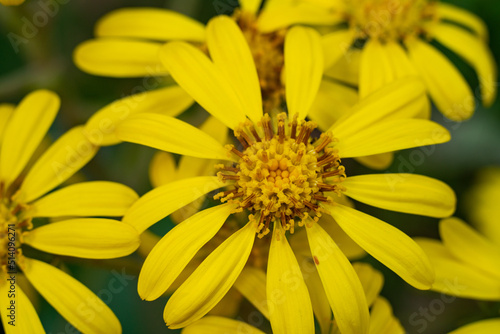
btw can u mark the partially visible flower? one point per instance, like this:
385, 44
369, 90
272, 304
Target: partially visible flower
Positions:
382, 321
129, 40
489, 326
398, 38
24, 198
284, 176
467, 262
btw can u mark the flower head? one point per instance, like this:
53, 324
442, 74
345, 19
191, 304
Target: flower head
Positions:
228, 88
395, 41
24, 200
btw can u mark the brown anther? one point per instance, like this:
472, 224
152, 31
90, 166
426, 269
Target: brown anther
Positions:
299, 156
246, 137
310, 205
327, 187
293, 132
226, 177
246, 201
320, 198
267, 126
227, 168
281, 127
326, 140
254, 132
328, 160
332, 173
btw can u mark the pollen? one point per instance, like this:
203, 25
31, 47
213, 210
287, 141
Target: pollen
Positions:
268, 54
282, 173
389, 19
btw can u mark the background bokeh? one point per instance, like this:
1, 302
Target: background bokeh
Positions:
44, 60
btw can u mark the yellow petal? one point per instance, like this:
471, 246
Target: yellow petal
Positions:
304, 69
211, 280
447, 87
300, 244
331, 103
64, 158
162, 201
336, 45
150, 23
169, 101
25, 130
92, 238
400, 99
119, 58
391, 136
194, 72
475, 52
231, 54
73, 300
480, 327
469, 246
252, 285
345, 292
400, 192
6, 110
382, 319
278, 17
346, 69
455, 278
213, 324
376, 68
170, 134
290, 308
463, 17
371, 279
24, 319
387, 244
319, 300
98, 198
162, 169
377, 161
174, 251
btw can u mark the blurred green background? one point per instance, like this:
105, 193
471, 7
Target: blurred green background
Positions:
45, 61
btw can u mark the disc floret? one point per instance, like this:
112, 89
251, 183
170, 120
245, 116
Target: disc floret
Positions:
282, 173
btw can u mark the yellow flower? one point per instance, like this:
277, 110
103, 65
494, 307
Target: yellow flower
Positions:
129, 40
480, 327
381, 318
467, 263
397, 38
23, 197
308, 176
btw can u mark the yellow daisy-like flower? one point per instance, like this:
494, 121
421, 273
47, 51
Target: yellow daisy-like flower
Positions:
129, 40
398, 40
382, 320
480, 327
280, 176
467, 263
23, 197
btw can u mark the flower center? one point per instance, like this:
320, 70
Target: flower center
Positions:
12, 222
282, 174
390, 19
267, 52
